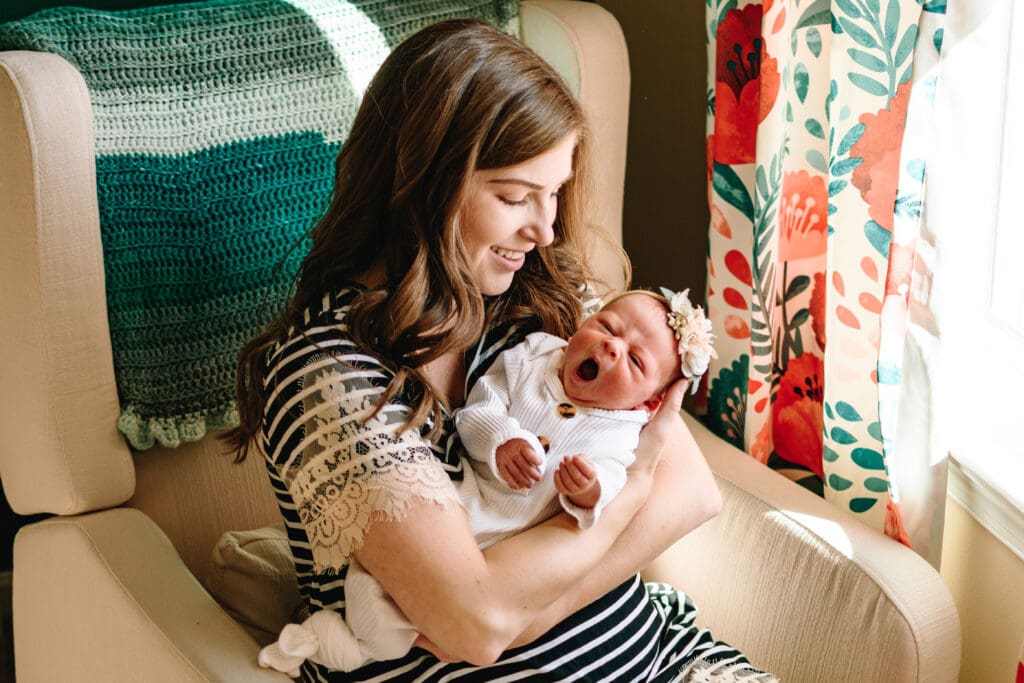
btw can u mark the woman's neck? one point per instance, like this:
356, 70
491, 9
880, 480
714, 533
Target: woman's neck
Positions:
447, 375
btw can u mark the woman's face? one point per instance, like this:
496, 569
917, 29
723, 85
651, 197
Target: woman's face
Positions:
510, 211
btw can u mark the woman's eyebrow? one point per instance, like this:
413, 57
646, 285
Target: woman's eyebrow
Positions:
516, 181
523, 182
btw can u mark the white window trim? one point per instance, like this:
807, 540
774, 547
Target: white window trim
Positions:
988, 505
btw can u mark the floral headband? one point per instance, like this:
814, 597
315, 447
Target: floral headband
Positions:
693, 331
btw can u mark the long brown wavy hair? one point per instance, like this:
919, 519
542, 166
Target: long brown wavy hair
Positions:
455, 97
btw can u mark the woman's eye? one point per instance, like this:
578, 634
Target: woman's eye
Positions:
513, 202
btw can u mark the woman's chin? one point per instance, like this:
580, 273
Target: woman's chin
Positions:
495, 285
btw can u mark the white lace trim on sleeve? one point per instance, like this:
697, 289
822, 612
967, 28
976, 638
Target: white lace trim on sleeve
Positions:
352, 468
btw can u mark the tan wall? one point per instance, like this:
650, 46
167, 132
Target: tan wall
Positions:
987, 582
665, 218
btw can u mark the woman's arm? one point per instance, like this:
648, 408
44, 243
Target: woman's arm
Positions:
684, 495
472, 604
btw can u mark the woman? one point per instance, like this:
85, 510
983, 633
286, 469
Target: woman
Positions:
455, 228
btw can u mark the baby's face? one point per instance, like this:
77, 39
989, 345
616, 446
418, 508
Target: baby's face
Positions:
622, 356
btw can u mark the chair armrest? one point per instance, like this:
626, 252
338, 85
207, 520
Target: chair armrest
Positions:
806, 590
109, 589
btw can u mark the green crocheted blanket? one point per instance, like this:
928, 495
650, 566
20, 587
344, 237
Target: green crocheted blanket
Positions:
216, 127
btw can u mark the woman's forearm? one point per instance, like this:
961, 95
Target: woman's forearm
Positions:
473, 604
684, 495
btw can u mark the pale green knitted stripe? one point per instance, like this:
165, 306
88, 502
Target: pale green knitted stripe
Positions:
143, 433
146, 118
220, 118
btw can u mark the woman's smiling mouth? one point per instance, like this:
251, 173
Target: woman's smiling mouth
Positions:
509, 254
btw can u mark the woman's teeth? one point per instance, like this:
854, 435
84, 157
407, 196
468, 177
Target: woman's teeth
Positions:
508, 253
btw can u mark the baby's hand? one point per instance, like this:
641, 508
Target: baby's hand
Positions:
517, 464
576, 478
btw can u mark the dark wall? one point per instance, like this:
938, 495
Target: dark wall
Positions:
665, 218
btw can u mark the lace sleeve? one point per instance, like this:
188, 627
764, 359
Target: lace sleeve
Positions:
350, 468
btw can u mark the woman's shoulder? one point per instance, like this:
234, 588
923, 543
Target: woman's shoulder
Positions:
322, 349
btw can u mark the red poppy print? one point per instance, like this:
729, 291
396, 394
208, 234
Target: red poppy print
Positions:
747, 84
879, 147
894, 523
797, 416
817, 309
803, 216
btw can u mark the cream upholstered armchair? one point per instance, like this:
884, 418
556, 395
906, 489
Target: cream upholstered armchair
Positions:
119, 583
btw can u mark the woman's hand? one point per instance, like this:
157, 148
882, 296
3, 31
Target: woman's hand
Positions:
663, 429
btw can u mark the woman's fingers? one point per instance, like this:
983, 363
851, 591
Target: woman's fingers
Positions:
673, 401
664, 428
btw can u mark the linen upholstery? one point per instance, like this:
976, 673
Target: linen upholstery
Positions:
805, 590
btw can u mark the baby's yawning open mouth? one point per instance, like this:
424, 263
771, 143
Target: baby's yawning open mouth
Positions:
587, 370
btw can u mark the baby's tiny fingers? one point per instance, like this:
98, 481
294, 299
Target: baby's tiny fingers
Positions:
524, 474
509, 475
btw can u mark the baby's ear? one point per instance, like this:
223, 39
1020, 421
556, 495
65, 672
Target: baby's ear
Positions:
652, 404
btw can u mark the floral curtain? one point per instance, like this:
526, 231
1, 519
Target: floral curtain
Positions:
818, 113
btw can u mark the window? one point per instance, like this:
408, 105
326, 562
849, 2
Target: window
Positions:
975, 214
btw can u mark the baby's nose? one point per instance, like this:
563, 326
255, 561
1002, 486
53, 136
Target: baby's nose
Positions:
611, 347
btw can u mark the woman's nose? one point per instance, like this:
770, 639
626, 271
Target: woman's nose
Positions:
541, 230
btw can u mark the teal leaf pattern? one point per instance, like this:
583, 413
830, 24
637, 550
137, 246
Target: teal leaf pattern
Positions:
727, 401
860, 505
868, 458
840, 435
879, 238
847, 412
814, 41
730, 187
868, 84
817, 13
876, 485
839, 483
801, 80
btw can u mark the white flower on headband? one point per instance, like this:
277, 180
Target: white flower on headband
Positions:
693, 331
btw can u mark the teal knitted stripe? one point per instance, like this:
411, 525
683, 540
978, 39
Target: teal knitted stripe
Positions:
187, 281
216, 127
244, 205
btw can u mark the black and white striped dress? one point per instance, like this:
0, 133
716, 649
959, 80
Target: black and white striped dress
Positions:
332, 468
